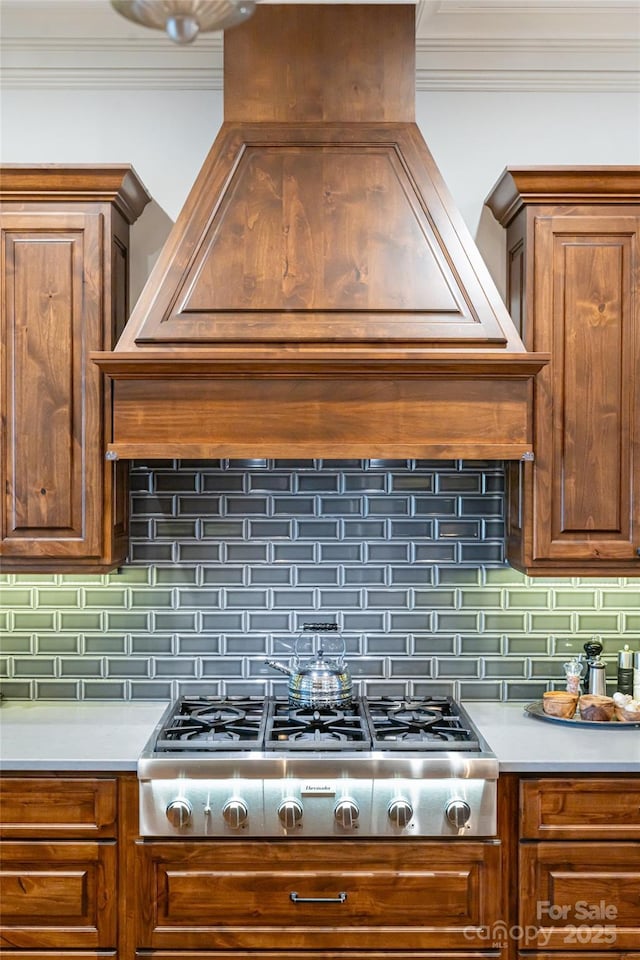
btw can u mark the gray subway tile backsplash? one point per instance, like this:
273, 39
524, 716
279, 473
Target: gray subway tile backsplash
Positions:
228, 559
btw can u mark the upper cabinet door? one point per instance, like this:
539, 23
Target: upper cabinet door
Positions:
573, 268
51, 319
586, 314
64, 277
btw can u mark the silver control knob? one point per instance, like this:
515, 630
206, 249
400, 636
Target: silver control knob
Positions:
458, 813
235, 812
179, 812
346, 813
400, 812
290, 813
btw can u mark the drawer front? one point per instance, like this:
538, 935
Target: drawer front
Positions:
347, 895
58, 894
591, 955
316, 955
58, 955
588, 809
56, 806
580, 897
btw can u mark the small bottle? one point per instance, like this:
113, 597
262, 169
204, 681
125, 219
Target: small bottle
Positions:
636, 675
625, 670
573, 673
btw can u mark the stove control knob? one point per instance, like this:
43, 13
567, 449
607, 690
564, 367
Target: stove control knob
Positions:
235, 812
458, 813
290, 813
400, 812
179, 813
346, 813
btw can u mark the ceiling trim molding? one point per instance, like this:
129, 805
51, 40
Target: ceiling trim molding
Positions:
530, 81
443, 64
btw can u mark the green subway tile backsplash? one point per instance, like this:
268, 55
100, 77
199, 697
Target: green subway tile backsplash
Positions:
229, 558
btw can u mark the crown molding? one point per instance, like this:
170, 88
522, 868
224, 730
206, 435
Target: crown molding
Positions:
442, 63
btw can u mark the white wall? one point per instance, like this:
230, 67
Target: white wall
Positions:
474, 136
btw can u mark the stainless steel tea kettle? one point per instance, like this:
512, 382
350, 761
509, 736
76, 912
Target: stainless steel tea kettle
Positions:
318, 682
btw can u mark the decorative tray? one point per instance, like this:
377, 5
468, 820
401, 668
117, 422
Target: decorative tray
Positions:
535, 710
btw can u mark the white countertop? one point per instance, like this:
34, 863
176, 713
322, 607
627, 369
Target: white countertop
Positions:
525, 744
48, 735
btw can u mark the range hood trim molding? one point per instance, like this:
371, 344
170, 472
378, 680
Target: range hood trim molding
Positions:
281, 361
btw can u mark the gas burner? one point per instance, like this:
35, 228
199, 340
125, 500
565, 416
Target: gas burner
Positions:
214, 723
254, 723
308, 728
433, 724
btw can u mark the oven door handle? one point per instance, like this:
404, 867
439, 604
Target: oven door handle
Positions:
339, 899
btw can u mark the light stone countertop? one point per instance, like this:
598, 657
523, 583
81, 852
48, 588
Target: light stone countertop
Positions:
49, 735
525, 744
90, 736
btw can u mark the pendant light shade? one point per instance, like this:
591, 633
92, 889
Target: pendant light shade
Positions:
183, 20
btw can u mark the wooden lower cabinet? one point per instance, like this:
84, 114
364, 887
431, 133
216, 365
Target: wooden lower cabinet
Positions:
348, 895
58, 894
579, 868
581, 895
58, 866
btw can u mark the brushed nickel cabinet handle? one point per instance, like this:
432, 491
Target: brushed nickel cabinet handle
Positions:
339, 899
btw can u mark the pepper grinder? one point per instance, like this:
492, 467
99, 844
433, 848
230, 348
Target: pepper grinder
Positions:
595, 678
625, 670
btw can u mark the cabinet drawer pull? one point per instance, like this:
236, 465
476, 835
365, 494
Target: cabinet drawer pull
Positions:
339, 899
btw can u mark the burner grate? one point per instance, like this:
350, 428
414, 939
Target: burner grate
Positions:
426, 724
304, 728
201, 724
214, 723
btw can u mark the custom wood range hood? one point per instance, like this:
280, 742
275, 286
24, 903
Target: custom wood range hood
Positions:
319, 295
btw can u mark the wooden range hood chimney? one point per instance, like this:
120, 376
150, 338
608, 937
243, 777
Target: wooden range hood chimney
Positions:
319, 295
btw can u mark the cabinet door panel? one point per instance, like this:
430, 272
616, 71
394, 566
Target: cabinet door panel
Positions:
51, 319
586, 315
410, 895
57, 895
576, 896
590, 809
39, 807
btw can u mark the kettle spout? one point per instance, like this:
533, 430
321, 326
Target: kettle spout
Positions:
280, 666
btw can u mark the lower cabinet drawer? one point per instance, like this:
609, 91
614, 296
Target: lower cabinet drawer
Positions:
315, 955
58, 894
591, 955
591, 808
314, 895
561, 955
82, 808
580, 897
60, 955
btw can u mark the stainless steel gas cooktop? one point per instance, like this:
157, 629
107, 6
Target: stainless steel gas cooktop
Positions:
256, 767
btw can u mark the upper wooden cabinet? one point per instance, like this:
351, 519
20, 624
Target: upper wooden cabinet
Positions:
573, 267
64, 274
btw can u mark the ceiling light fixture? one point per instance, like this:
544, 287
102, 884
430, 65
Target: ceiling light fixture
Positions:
183, 20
